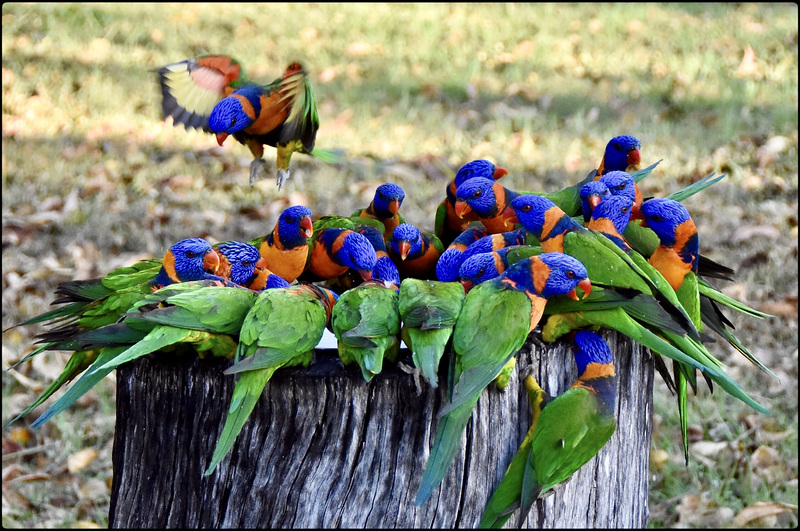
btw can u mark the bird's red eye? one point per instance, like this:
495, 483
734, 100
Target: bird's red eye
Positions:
625, 210
233, 122
570, 274
526, 208
247, 263
622, 186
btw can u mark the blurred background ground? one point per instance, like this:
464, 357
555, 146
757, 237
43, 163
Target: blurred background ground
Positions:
93, 180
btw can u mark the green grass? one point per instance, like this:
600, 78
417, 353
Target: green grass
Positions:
92, 179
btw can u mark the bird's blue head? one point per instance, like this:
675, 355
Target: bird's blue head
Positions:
621, 152
620, 183
386, 271
241, 258
478, 193
234, 113
358, 253
406, 240
479, 168
479, 268
532, 212
566, 273
190, 259
617, 209
294, 226
373, 235
275, 281
448, 264
589, 347
387, 200
592, 193
666, 218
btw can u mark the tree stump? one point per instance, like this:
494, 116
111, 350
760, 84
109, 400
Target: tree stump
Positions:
323, 448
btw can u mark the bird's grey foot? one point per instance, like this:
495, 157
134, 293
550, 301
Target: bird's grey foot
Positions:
416, 373
258, 165
283, 176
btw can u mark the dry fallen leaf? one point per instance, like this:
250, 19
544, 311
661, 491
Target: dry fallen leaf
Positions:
748, 67
764, 457
658, 458
760, 514
81, 459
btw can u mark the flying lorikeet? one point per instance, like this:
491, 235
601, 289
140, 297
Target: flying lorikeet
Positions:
285, 249
212, 93
447, 224
280, 330
489, 200
204, 314
414, 252
366, 322
483, 348
429, 310
677, 259
385, 207
566, 431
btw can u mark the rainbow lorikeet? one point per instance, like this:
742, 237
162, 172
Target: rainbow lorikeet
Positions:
212, 93
677, 257
241, 263
281, 329
485, 266
483, 349
565, 433
621, 154
90, 304
385, 207
490, 201
429, 310
384, 270
366, 322
447, 224
414, 252
285, 249
333, 251
204, 314
450, 260
448, 270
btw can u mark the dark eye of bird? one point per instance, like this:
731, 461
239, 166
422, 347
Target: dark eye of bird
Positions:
570, 274
625, 210
618, 147
481, 271
289, 219
656, 217
526, 208
622, 186
478, 193
190, 254
247, 263
233, 122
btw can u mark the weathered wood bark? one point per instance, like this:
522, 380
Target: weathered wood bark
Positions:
325, 449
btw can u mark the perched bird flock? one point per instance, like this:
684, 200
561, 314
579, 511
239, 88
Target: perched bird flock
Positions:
498, 265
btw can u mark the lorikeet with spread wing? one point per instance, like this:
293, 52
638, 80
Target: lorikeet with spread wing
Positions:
385, 207
450, 260
677, 258
366, 322
517, 299
285, 249
565, 433
414, 252
489, 200
203, 314
447, 224
429, 310
281, 330
212, 93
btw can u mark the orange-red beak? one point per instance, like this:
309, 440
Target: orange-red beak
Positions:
634, 158
594, 200
585, 285
636, 213
461, 208
510, 216
221, 138
405, 248
365, 274
394, 206
211, 261
306, 227
467, 285
499, 172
